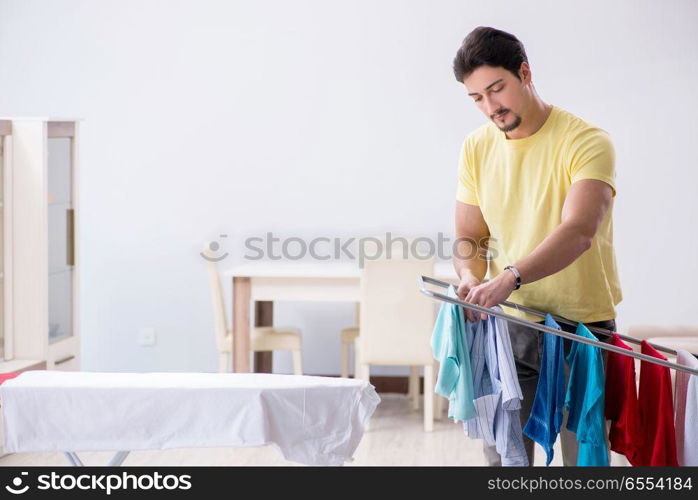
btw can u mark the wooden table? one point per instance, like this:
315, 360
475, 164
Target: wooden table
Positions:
262, 283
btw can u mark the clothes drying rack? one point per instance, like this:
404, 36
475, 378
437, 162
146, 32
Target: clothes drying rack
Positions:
421, 280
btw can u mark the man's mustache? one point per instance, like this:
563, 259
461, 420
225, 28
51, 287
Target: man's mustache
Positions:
499, 112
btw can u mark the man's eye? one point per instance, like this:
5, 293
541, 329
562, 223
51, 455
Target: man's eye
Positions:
477, 99
498, 89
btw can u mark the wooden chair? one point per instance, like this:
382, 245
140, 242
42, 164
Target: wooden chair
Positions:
262, 338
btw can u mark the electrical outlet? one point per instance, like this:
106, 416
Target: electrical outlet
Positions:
146, 336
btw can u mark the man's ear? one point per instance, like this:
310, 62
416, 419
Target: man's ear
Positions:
525, 73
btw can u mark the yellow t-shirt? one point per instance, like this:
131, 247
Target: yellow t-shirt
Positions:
520, 186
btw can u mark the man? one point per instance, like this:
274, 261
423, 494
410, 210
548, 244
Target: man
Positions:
535, 190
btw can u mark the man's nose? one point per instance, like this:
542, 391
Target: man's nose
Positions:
491, 106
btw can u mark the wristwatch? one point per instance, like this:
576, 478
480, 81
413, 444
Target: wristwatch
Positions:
517, 274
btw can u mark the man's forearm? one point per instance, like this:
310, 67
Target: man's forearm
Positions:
557, 251
470, 259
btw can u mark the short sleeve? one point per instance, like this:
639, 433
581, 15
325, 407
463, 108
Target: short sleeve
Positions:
592, 157
466, 192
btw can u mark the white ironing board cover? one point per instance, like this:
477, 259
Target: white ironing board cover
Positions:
312, 420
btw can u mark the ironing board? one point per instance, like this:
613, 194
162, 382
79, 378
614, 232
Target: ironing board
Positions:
311, 420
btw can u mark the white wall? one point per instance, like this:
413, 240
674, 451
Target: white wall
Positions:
318, 118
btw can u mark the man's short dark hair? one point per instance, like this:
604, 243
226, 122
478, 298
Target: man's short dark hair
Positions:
488, 47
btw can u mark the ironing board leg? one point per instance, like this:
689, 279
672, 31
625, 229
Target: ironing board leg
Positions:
73, 459
116, 460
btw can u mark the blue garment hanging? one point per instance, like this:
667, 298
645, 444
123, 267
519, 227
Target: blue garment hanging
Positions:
543, 425
497, 391
585, 400
448, 344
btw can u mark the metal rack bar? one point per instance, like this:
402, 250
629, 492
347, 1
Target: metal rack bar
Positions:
421, 280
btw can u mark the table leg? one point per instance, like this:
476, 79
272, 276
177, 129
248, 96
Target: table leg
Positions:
263, 316
241, 325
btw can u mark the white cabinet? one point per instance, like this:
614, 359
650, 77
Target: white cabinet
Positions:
5, 264
40, 232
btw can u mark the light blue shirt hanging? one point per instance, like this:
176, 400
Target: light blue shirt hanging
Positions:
585, 400
448, 344
544, 423
497, 392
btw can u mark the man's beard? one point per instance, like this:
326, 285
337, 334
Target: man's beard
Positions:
512, 125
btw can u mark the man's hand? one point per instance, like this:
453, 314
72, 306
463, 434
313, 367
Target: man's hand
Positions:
489, 293
467, 282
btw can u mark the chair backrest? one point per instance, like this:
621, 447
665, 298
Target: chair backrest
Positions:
396, 320
214, 280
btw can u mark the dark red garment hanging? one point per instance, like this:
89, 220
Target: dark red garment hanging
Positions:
656, 403
621, 402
